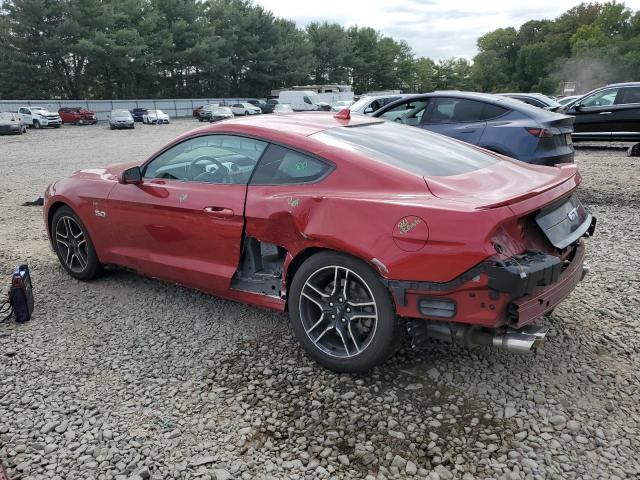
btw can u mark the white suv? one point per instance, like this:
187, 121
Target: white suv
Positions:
38, 117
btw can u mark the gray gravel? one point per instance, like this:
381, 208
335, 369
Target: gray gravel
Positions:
127, 377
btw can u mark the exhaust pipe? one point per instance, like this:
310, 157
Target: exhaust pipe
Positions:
518, 341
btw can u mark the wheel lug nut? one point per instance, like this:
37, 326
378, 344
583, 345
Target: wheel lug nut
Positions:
333, 316
340, 299
348, 309
331, 304
343, 320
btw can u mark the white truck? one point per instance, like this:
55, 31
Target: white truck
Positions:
303, 100
39, 117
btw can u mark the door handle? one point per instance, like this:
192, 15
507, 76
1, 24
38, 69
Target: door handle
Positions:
605, 113
219, 212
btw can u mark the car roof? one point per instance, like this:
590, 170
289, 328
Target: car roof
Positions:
296, 124
623, 84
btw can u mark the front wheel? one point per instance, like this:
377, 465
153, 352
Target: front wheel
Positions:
73, 246
36, 124
342, 314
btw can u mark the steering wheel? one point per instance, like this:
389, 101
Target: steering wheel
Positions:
221, 175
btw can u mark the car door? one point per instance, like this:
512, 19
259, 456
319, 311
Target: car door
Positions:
593, 113
459, 118
25, 115
625, 116
184, 223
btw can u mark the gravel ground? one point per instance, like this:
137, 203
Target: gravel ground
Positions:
127, 377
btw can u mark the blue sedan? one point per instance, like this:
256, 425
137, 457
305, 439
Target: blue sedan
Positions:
504, 125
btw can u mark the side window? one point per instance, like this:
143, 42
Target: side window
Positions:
307, 100
490, 111
629, 95
409, 112
455, 110
217, 159
604, 98
280, 166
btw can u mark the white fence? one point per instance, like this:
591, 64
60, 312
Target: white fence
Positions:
182, 107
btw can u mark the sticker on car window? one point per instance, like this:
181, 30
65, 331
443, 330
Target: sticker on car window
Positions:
302, 165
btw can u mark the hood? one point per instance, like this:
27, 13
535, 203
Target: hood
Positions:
502, 183
107, 173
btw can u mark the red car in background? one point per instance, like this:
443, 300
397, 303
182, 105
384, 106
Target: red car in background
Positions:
359, 228
196, 111
77, 116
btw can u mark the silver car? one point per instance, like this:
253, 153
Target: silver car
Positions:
121, 119
11, 123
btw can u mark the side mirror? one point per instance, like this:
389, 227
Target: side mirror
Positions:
577, 107
368, 110
131, 176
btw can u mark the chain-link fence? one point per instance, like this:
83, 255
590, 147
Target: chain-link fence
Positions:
181, 107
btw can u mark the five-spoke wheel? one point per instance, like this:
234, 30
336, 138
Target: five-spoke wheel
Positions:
73, 245
342, 314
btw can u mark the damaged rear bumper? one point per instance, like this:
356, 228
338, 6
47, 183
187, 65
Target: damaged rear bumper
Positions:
512, 293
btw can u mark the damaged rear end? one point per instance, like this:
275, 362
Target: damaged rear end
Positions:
537, 259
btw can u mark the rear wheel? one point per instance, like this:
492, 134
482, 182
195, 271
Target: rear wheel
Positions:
342, 314
73, 246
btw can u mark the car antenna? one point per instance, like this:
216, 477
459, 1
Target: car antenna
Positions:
344, 114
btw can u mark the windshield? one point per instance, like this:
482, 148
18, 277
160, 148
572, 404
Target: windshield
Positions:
159, 112
40, 110
120, 113
410, 148
360, 103
6, 116
222, 111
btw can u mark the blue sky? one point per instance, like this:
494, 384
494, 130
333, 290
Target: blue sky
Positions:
433, 28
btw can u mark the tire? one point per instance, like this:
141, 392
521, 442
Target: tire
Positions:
73, 245
246, 112
331, 341
36, 124
57, 126
111, 127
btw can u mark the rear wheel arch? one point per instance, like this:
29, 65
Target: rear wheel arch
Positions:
293, 265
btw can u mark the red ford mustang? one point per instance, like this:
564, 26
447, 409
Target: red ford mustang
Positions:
360, 229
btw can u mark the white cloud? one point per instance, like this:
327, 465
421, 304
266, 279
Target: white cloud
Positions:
433, 28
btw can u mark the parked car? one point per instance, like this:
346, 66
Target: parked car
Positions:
303, 100
464, 245
607, 113
220, 113
138, 114
567, 100
39, 117
282, 108
536, 99
11, 123
369, 105
77, 116
205, 112
500, 124
270, 105
121, 119
244, 108
155, 117
340, 105
195, 113
257, 103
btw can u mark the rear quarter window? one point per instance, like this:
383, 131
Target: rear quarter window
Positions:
282, 166
409, 148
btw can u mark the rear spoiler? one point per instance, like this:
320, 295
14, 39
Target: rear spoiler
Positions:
569, 169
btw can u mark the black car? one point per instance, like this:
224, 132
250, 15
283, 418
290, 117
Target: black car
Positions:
269, 105
607, 113
536, 99
137, 114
